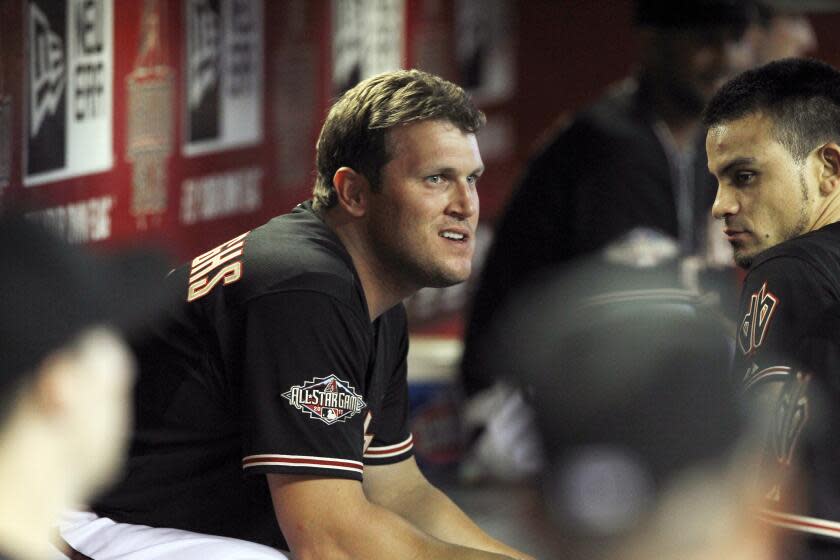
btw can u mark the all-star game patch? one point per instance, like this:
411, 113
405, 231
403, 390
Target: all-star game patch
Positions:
328, 399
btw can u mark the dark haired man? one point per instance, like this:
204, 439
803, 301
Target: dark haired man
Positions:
633, 160
773, 143
272, 404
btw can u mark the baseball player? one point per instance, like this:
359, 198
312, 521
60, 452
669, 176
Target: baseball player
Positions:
647, 127
64, 380
773, 143
272, 404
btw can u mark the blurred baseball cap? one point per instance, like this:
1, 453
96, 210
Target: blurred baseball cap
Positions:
53, 291
627, 373
695, 13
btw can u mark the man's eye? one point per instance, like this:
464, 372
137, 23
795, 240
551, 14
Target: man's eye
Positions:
435, 179
744, 177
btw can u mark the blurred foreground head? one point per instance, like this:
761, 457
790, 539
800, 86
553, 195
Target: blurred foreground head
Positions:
647, 450
65, 374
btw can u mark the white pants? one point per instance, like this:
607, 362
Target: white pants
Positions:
103, 539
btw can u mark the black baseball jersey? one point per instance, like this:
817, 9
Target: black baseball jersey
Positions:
271, 365
783, 363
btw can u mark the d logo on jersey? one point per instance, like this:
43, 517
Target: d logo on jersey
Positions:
791, 416
754, 326
789, 419
329, 399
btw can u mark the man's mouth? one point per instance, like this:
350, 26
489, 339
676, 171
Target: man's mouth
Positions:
455, 235
735, 235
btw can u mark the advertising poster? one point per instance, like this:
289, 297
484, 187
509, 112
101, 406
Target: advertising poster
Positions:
368, 38
69, 83
150, 130
484, 48
224, 75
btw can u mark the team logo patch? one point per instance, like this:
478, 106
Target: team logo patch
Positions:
792, 414
328, 399
754, 325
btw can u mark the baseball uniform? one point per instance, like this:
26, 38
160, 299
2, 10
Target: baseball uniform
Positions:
270, 365
781, 365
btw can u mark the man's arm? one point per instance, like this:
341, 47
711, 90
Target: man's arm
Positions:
329, 518
403, 489
782, 297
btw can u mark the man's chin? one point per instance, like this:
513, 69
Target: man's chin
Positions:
445, 281
743, 259
446, 278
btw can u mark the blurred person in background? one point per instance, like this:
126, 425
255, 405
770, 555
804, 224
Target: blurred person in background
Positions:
784, 29
633, 160
631, 165
65, 377
648, 452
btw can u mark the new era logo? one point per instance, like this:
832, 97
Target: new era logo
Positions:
46, 67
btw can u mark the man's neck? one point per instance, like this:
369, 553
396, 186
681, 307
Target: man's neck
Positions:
382, 291
829, 213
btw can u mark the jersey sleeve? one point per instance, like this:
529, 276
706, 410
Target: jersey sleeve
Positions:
819, 351
780, 300
781, 309
303, 409
392, 441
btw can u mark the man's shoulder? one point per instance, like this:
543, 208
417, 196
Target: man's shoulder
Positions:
800, 276
616, 112
817, 250
297, 252
614, 116
620, 99
395, 321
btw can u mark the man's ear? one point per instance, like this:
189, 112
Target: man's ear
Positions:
352, 189
829, 156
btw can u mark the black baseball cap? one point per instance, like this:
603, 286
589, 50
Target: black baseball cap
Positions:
51, 291
627, 373
695, 13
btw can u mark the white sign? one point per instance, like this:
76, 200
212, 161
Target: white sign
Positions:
69, 77
221, 195
78, 222
484, 48
224, 75
368, 39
